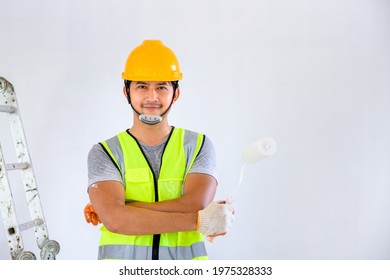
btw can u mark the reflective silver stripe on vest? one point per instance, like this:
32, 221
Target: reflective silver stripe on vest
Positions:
116, 150
190, 139
134, 252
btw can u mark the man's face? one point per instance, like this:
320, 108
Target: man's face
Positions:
151, 98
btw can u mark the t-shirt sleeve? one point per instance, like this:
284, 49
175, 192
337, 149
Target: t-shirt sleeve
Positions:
205, 162
101, 167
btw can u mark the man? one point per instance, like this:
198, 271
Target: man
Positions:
152, 186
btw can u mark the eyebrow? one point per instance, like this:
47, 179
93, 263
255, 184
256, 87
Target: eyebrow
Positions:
159, 84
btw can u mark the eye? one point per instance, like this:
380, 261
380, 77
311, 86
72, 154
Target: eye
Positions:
162, 88
141, 86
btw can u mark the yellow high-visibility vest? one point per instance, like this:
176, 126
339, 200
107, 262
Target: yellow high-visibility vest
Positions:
179, 154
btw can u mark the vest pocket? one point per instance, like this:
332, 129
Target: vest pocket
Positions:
138, 187
170, 188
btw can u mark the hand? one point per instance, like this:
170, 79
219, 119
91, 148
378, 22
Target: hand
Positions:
90, 215
215, 219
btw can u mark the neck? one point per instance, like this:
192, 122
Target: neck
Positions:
150, 134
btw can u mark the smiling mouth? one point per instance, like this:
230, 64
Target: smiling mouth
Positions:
151, 106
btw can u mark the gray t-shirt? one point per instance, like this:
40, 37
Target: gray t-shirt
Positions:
101, 167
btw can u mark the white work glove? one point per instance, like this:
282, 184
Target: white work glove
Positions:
215, 219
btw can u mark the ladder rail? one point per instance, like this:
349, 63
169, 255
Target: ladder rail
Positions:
10, 220
30, 186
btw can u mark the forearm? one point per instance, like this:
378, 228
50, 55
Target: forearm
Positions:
180, 205
108, 199
139, 221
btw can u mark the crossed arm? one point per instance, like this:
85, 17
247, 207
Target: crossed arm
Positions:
138, 218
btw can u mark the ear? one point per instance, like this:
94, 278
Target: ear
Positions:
177, 95
126, 95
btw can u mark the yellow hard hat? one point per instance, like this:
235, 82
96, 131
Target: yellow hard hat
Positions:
152, 61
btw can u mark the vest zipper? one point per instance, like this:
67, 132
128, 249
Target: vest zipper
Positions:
156, 237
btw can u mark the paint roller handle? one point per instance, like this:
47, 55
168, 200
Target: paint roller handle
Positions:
230, 197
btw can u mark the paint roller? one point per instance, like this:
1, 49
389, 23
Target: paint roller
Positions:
259, 150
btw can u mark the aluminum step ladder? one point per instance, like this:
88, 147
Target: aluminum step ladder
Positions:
49, 248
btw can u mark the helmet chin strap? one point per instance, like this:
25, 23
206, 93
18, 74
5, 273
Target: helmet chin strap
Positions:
150, 119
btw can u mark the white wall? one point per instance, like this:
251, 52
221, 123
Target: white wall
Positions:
314, 75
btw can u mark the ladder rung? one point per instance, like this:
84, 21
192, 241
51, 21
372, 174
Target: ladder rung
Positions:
30, 224
16, 166
7, 109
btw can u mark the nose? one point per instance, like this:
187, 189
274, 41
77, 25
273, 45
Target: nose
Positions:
152, 94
